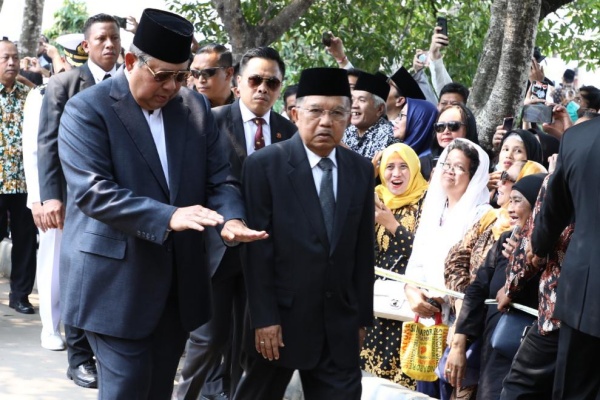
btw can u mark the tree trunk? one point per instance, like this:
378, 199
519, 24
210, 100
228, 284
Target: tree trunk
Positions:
499, 85
32, 27
1, 2
244, 36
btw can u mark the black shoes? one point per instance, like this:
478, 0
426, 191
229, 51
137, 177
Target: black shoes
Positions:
85, 375
23, 307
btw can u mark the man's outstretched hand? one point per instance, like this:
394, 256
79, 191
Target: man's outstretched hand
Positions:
235, 230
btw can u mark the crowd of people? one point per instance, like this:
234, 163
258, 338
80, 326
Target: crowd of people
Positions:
177, 212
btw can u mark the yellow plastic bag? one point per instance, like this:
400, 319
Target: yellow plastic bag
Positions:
422, 348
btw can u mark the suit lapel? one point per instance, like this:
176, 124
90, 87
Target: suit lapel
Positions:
236, 129
86, 77
303, 183
276, 135
130, 114
175, 120
344, 192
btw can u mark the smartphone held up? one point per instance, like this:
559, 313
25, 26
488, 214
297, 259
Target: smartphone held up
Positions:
442, 22
326, 39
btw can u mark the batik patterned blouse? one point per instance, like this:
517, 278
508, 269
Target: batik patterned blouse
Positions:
12, 173
519, 271
376, 138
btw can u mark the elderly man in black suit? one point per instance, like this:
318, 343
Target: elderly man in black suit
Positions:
572, 195
310, 284
259, 82
146, 178
102, 42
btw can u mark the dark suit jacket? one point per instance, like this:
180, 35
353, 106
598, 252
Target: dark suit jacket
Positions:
117, 262
316, 290
60, 89
229, 120
573, 195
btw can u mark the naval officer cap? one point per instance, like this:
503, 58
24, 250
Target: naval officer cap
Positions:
323, 82
164, 36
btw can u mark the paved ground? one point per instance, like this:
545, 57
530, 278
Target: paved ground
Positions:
28, 371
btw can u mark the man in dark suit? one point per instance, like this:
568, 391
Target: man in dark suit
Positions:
149, 174
572, 196
310, 284
102, 42
221, 337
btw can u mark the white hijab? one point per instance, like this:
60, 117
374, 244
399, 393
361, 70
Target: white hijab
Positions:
432, 241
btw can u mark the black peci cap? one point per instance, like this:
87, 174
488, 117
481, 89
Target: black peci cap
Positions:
374, 84
406, 84
164, 35
323, 82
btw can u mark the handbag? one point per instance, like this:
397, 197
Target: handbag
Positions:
422, 348
510, 330
389, 301
471, 376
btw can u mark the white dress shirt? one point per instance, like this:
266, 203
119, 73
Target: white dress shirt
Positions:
98, 72
250, 127
157, 127
317, 172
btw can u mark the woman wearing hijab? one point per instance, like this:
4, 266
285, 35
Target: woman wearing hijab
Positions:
516, 145
465, 257
401, 194
456, 199
414, 125
478, 320
455, 121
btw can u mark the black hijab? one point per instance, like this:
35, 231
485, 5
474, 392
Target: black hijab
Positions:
532, 145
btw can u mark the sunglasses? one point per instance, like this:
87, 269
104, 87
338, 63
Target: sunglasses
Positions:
272, 83
205, 73
163, 76
452, 126
504, 177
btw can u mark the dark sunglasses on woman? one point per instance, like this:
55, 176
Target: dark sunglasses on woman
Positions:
452, 126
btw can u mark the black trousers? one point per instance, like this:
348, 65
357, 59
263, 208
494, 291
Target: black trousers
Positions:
78, 346
141, 369
577, 373
212, 361
531, 375
23, 233
326, 381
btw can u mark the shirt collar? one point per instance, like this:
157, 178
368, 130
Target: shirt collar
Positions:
248, 115
18, 86
98, 72
314, 159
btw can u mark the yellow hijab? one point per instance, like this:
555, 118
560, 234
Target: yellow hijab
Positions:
499, 217
416, 186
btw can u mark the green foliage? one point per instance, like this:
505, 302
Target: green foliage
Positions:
70, 18
377, 34
572, 33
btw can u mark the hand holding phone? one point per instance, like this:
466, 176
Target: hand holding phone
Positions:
515, 232
326, 39
507, 124
121, 21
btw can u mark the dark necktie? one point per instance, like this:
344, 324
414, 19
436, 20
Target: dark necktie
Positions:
106, 77
259, 140
326, 196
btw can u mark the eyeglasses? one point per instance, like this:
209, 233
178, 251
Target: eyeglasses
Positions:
162, 76
505, 177
272, 83
452, 126
456, 168
205, 73
318, 113
396, 121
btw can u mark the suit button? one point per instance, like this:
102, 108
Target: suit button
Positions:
139, 233
152, 237
328, 295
